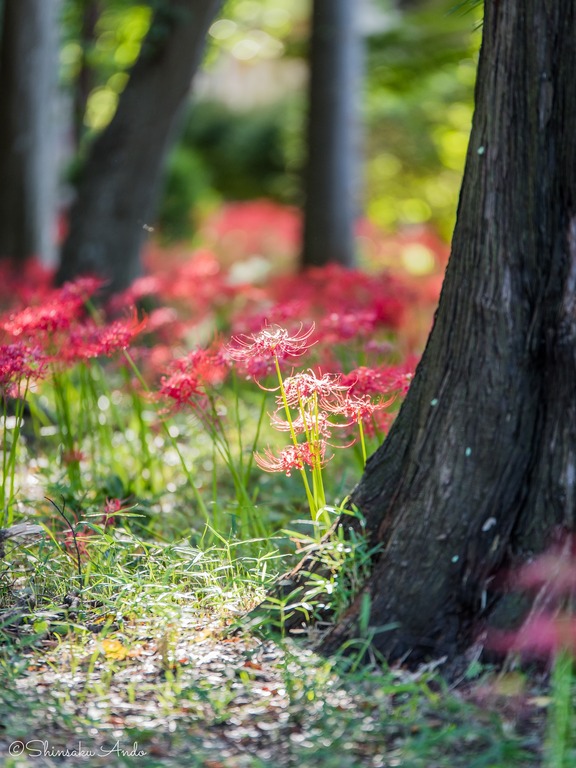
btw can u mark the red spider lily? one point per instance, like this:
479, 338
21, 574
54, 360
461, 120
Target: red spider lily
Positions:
82, 288
75, 543
53, 315
380, 422
398, 378
73, 456
381, 380
163, 317
20, 363
197, 284
257, 368
57, 312
188, 377
111, 507
376, 300
292, 457
273, 342
24, 283
149, 285
182, 387
342, 326
302, 387
90, 340
315, 423
366, 381
358, 408
239, 230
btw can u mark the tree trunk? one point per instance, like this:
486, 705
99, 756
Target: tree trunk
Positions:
330, 178
28, 92
480, 466
90, 13
118, 191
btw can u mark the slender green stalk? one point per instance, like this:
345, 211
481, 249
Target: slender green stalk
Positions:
253, 524
309, 494
256, 439
362, 442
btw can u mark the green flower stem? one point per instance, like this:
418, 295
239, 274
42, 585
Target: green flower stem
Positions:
309, 496
362, 441
222, 446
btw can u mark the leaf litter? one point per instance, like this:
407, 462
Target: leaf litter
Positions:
184, 691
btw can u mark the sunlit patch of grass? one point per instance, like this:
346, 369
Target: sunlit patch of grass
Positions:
140, 650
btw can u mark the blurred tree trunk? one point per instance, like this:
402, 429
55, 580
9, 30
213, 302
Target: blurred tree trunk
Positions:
118, 190
479, 469
28, 93
331, 173
91, 10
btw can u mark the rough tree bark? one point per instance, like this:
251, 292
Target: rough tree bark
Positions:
118, 192
479, 468
28, 91
331, 173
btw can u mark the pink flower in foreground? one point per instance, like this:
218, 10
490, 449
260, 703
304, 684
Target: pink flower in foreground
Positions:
551, 628
292, 457
302, 387
317, 423
382, 379
271, 342
554, 569
544, 635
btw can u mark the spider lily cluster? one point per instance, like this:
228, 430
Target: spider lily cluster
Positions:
114, 401
309, 407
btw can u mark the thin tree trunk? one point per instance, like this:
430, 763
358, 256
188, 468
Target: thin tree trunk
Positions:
331, 174
84, 84
118, 192
28, 93
480, 465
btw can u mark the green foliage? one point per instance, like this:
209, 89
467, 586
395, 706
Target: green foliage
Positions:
140, 655
468, 5
266, 29
186, 187
107, 55
244, 150
236, 155
420, 79
420, 72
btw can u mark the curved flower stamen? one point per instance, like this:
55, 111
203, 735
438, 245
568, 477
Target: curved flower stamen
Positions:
292, 457
272, 341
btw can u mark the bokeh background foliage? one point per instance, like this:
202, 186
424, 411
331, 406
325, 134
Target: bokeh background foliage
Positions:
243, 133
